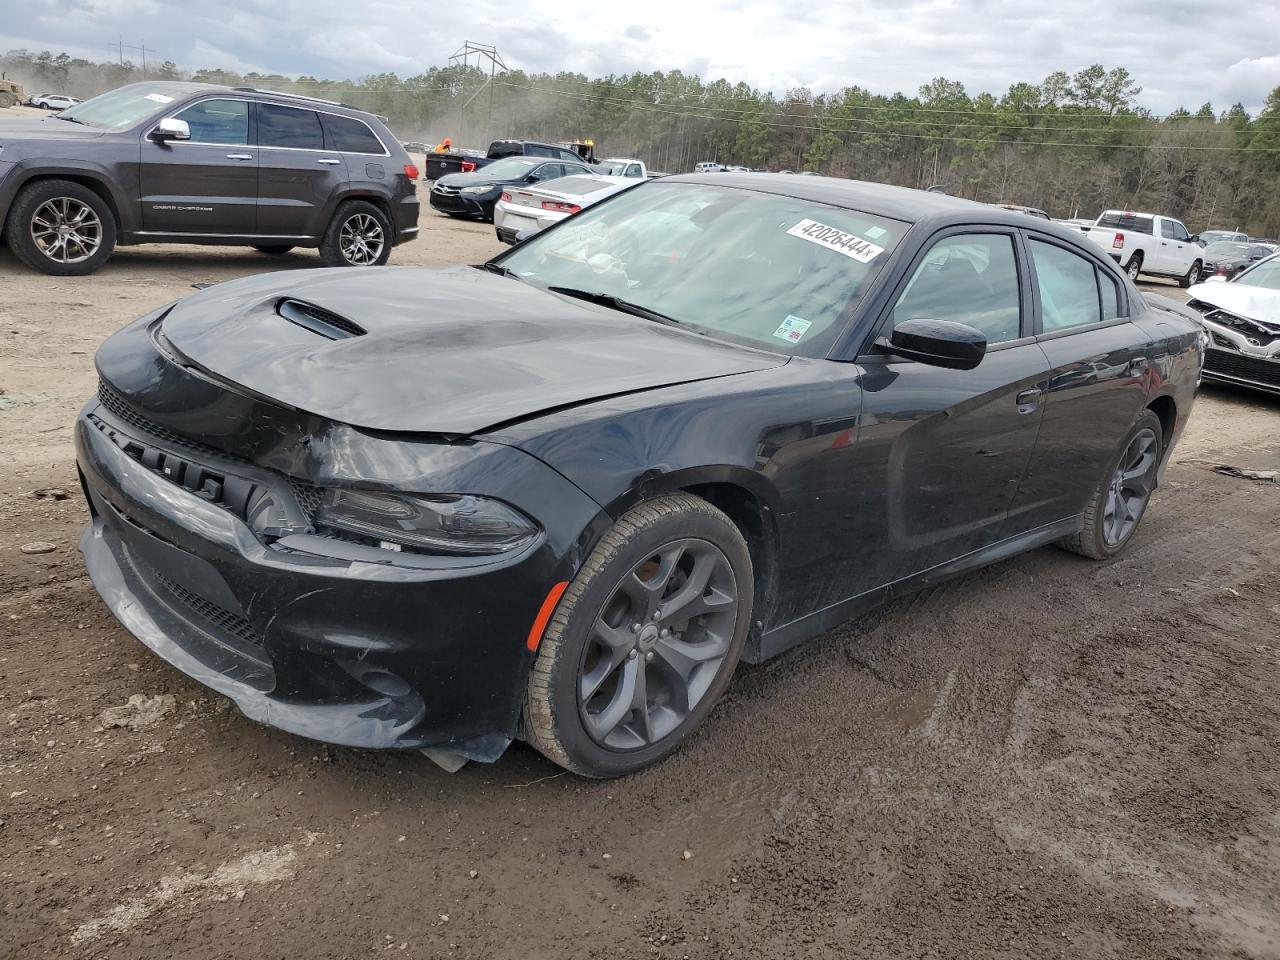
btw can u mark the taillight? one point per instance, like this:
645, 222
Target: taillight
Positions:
506, 196
1118, 242
411, 171
559, 207
468, 166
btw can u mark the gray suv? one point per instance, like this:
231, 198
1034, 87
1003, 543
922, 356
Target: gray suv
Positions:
168, 162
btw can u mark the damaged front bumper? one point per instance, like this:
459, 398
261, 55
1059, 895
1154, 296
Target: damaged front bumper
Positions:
348, 648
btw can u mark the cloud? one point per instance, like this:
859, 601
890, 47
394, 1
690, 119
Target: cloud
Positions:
1193, 55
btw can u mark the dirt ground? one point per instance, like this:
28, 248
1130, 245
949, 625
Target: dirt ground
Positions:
1049, 758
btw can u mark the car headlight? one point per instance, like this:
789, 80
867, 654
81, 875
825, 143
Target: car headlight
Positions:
457, 524
474, 190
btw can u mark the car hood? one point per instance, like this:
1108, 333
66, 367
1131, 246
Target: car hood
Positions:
1253, 303
477, 179
451, 351
45, 128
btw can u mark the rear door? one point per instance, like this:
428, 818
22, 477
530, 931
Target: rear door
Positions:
1099, 380
297, 175
364, 154
207, 185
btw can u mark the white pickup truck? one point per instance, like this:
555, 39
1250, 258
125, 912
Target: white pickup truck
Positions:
1148, 243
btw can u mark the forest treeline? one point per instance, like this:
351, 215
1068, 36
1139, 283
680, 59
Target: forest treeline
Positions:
1070, 144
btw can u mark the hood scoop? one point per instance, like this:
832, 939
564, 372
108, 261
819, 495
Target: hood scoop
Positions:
318, 320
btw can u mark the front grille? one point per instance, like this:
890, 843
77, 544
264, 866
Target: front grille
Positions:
445, 191
226, 622
1256, 333
309, 498
1244, 367
119, 408
1222, 341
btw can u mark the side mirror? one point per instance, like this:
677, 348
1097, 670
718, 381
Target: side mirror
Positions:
1195, 239
171, 128
939, 343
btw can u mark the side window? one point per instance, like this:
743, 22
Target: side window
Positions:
1068, 287
969, 278
289, 127
1167, 231
633, 170
1109, 292
218, 121
568, 155
537, 150
1180, 232
349, 135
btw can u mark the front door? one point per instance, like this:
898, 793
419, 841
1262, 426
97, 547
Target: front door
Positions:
297, 176
941, 452
1099, 369
205, 185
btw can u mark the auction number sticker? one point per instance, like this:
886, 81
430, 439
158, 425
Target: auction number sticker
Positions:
792, 329
833, 238
159, 98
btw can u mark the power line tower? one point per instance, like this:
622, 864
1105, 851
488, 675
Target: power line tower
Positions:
482, 52
120, 47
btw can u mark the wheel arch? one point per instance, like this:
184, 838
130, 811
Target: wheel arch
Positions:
85, 177
748, 500
1166, 409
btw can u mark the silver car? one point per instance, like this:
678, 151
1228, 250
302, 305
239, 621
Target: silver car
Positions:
523, 211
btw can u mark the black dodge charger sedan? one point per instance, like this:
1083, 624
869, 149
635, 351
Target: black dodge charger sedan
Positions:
560, 495
476, 194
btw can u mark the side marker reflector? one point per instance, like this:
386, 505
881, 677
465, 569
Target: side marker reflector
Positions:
544, 614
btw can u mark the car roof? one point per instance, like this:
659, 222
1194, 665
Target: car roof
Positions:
881, 199
286, 99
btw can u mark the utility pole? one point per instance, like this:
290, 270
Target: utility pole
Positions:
482, 52
142, 48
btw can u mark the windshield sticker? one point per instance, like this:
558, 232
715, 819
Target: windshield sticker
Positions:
833, 238
792, 329
874, 233
159, 98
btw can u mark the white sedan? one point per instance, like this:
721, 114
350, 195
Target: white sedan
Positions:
53, 101
527, 210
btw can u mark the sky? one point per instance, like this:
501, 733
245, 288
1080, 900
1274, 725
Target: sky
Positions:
1182, 52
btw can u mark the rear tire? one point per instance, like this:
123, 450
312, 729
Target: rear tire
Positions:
1112, 518
274, 249
1134, 267
606, 699
1192, 276
7, 99
61, 228
359, 235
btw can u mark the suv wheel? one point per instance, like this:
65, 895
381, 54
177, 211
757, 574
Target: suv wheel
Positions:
274, 249
61, 228
644, 640
358, 236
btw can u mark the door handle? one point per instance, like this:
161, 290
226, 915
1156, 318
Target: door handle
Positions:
239, 156
1029, 399
328, 160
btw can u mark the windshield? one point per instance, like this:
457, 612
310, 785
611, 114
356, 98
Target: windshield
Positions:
1215, 235
1225, 248
769, 271
1265, 274
127, 106
511, 167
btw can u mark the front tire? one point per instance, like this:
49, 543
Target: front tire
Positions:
61, 228
1134, 269
1192, 276
644, 641
358, 236
1120, 501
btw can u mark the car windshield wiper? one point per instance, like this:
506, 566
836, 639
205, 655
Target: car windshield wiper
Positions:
616, 303
499, 269
71, 119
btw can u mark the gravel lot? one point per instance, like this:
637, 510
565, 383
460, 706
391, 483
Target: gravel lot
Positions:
1049, 758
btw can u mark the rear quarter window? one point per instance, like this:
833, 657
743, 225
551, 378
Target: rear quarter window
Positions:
349, 135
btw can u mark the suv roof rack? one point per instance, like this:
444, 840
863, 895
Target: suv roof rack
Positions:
294, 96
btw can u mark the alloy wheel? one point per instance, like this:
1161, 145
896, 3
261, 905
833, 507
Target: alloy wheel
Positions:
1193, 275
1130, 488
66, 230
361, 240
657, 645
1135, 268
